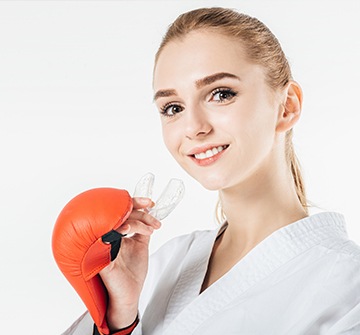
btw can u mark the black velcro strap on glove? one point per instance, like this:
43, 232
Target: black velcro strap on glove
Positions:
114, 238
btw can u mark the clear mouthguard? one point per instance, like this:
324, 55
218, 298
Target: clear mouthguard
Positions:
144, 186
169, 198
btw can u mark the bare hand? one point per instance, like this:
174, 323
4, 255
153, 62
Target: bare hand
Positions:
125, 276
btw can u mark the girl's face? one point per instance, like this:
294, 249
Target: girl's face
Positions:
218, 114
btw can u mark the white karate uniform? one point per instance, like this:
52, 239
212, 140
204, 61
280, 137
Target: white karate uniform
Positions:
304, 279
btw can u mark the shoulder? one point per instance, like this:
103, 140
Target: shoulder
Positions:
329, 229
345, 256
341, 267
339, 276
347, 249
337, 242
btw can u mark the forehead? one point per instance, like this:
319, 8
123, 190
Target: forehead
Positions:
200, 54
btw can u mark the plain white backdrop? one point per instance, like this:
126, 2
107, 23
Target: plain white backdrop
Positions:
76, 112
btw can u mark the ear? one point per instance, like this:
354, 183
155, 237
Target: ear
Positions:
290, 109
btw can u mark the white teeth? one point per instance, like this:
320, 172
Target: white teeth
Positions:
209, 153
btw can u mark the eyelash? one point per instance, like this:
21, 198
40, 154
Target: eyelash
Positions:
228, 91
164, 109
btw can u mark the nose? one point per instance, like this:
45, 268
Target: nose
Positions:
197, 123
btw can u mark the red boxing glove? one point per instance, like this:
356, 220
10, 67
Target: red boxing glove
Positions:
84, 242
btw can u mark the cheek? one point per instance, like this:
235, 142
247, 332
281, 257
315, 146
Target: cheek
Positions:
252, 125
259, 135
171, 138
258, 115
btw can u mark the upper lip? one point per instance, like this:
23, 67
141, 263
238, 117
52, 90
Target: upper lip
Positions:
204, 148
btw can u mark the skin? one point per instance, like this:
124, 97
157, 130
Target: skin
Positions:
124, 277
215, 96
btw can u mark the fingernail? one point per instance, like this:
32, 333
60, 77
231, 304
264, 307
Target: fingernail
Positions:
157, 223
145, 201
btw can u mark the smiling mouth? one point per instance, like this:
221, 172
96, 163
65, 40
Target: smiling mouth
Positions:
210, 152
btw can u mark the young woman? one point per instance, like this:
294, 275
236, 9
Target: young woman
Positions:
228, 104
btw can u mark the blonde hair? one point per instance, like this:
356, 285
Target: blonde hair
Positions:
261, 47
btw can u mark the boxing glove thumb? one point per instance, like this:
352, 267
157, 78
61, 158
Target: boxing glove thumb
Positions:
85, 241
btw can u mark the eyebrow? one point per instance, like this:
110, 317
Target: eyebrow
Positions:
214, 77
164, 94
198, 84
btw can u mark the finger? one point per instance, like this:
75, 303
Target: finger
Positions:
124, 229
146, 218
142, 203
135, 227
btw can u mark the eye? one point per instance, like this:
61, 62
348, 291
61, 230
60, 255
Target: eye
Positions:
171, 109
222, 94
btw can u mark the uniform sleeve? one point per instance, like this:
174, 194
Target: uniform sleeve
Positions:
84, 325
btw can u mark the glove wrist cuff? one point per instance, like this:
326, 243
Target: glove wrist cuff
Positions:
123, 331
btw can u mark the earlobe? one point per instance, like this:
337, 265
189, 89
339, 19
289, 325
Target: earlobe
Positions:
290, 109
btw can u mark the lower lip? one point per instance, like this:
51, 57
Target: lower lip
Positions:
208, 161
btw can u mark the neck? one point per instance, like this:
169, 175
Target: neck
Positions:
258, 206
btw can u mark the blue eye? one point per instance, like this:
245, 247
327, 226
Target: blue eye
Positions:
170, 110
222, 94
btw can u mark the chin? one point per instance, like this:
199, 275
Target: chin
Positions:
211, 183
211, 187
211, 179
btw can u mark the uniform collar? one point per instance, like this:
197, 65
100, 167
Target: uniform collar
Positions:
186, 306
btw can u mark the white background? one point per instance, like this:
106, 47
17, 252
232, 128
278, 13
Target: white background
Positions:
76, 112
